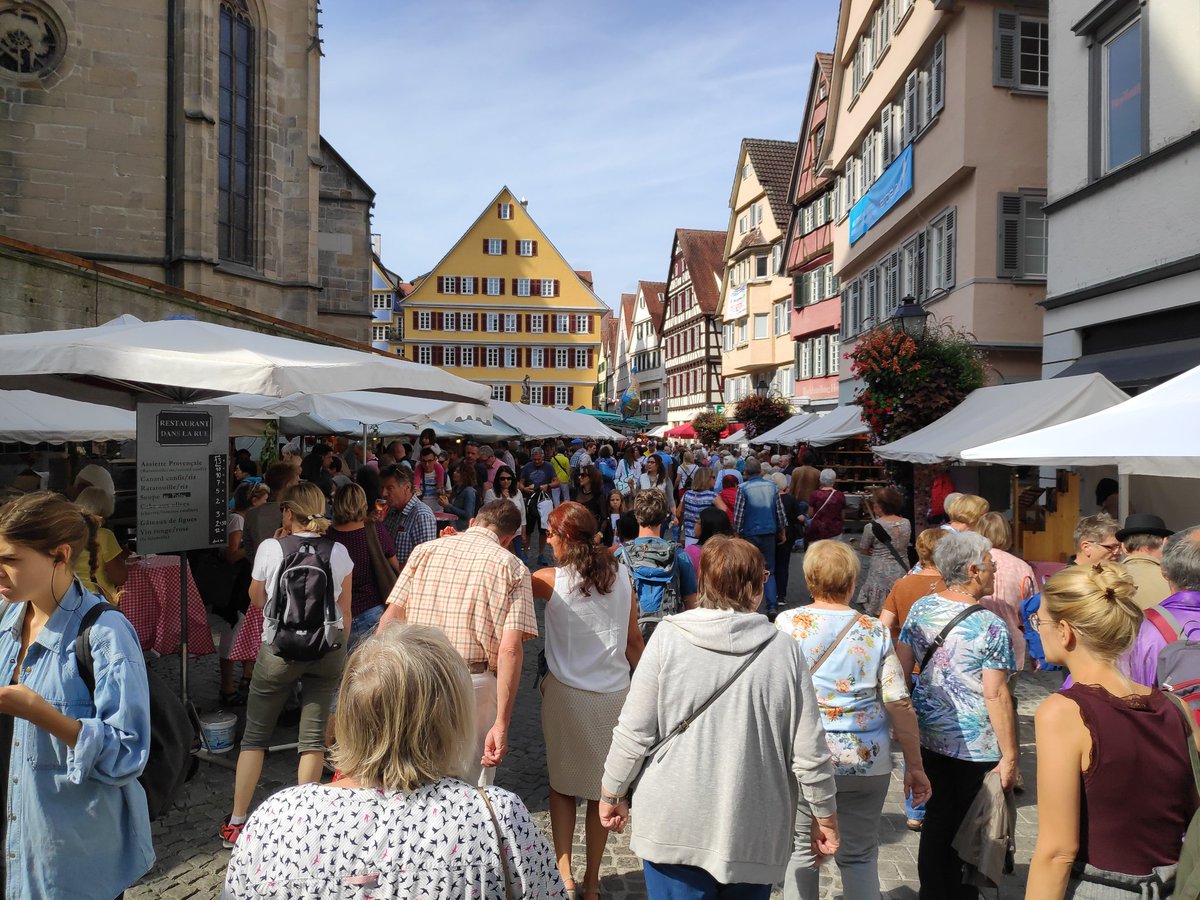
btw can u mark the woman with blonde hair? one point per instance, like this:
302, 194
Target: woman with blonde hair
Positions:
763, 710
965, 510
105, 572
863, 697
592, 643
1014, 581
1111, 813
404, 724
304, 523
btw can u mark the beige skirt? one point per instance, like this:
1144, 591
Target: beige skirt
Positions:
578, 727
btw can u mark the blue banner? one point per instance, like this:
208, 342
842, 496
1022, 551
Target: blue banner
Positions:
894, 183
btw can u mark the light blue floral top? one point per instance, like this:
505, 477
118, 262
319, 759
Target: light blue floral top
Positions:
948, 697
856, 679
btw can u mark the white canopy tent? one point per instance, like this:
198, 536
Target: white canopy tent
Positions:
32, 418
658, 431
738, 437
1002, 411
836, 425
784, 432
1155, 433
549, 421
184, 360
357, 407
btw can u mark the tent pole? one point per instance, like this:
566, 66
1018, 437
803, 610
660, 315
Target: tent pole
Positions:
1123, 497
183, 627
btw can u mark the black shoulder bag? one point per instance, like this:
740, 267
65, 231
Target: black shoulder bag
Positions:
883, 536
945, 632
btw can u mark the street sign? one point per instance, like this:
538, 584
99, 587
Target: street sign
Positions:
182, 473
721, 408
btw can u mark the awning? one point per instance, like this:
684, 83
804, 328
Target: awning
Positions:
783, 432
836, 425
31, 418
992, 413
684, 431
1155, 433
738, 437
1139, 366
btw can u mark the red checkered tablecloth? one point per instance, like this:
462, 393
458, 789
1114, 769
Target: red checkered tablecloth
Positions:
249, 636
150, 600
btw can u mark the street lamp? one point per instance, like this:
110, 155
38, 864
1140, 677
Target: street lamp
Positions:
910, 317
762, 387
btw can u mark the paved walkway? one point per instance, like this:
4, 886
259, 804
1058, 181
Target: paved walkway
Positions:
191, 862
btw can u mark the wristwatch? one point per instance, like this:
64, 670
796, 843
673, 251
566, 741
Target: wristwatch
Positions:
610, 800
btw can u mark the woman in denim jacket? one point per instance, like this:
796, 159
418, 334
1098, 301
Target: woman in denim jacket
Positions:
74, 822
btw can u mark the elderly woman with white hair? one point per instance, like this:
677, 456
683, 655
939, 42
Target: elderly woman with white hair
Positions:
962, 701
825, 507
400, 821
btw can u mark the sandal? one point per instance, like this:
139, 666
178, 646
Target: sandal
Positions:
913, 824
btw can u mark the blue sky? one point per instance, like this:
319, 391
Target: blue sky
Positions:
619, 120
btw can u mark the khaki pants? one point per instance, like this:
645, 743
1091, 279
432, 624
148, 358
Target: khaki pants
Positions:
485, 716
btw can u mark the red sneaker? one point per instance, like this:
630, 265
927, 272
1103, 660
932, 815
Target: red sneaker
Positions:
230, 833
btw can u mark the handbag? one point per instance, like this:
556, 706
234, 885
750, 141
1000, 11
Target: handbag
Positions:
1187, 875
385, 576
945, 632
508, 888
884, 537
687, 720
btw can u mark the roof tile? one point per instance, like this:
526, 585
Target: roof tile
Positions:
773, 162
704, 253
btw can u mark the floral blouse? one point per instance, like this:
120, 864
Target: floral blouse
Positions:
852, 685
436, 843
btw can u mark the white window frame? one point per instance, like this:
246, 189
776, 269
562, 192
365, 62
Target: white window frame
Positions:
1044, 58
1103, 48
511, 357
548, 287
425, 354
537, 323
524, 248
466, 357
781, 323
493, 287
763, 320
562, 395
505, 213
379, 332
581, 356
510, 323
493, 357
450, 284
466, 285
523, 287
537, 359
450, 356
561, 357
498, 392
466, 321
536, 395
424, 320
495, 247
381, 301
450, 321
581, 323
805, 359
562, 324
835, 349
492, 322
743, 328
819, 356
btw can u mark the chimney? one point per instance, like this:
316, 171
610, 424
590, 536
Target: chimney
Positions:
377, 245
524, 203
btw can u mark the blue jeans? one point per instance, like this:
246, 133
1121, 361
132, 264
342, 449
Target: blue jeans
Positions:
766, 545
363, 625
672, 882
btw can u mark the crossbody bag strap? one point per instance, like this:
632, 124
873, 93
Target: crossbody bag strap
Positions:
888, 542
945, 632
812, 670
1166, 624
508, 888
687, 721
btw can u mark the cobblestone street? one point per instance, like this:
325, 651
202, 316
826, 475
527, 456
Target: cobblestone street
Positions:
191, 862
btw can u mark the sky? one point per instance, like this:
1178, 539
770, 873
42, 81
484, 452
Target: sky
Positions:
619, 121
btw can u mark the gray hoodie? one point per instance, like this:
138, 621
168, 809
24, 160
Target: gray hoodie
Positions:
722, 794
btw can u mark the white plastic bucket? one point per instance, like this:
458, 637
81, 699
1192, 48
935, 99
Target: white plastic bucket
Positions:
219, 729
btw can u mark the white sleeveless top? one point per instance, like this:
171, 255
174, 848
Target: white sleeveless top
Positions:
586, 636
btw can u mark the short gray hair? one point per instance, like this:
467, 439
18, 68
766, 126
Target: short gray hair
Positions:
957, 552
828, 477
753, 467
1181, 560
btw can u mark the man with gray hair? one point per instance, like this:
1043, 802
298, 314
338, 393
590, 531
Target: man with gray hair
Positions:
1175, 619
759, 517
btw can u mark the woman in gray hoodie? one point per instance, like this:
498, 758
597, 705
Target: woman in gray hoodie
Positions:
716, 802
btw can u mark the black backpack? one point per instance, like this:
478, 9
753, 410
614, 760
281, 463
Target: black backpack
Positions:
687, 482
172, 734
301, 621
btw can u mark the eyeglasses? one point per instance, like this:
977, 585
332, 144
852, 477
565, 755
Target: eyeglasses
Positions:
504, 478
1036, 621
1113, 549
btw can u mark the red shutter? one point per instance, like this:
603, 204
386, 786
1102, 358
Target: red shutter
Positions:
503, 247
441, 284
528, 322
590, 358
439, 356
508, 393
499, 210
535, 287
547, 395
501, 287
555, 287
534, 248
415, 314
439, 319
571, 396
485, 240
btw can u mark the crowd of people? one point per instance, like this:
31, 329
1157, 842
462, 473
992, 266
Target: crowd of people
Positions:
742, 740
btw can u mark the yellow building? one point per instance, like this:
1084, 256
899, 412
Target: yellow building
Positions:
503, 304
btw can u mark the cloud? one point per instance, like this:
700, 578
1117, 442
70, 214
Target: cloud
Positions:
620, 121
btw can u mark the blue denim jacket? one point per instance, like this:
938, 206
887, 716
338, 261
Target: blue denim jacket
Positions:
755, 511
77, 819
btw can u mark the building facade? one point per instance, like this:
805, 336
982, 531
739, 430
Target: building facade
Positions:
936, 128
622, 371
755, 303
691, 332
808, 261
645, 350
605, 373
504, 308
180, 142
387, 295
1123, 292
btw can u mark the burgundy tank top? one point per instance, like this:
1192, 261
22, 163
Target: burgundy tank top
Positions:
1138, 793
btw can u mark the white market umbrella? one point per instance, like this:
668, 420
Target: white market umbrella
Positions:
1002, 411
1155, 433
32, 418
785, 431
362, 407
184, 360
836, 425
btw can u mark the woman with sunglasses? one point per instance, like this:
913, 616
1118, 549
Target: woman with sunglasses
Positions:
504, 484
1111, 813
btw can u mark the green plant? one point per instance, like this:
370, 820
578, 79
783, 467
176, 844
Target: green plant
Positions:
910, 382
709, 426
269, 455
761, 414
